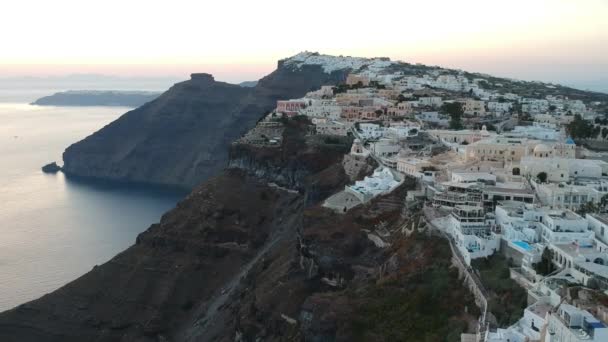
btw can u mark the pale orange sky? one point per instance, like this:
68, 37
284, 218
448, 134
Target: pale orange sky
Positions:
553, 40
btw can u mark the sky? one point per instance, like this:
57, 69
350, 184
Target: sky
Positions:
551, 40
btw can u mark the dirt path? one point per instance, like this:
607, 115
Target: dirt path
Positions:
209, 324
202, 329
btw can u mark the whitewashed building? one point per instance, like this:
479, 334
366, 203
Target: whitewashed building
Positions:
382, 181
413, 167
562, 169
370, 131
499, 107
328, 109
472, 232
570, 196
430, 101
571, 324
537, 131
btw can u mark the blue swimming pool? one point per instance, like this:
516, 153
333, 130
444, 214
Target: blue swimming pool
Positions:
523, 245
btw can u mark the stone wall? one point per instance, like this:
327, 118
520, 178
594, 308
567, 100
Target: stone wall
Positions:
510, 253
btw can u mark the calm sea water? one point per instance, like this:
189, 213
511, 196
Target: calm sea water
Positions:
53, 229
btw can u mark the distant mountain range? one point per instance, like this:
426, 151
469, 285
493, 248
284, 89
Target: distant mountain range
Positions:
248, 84
98, 98
600, 85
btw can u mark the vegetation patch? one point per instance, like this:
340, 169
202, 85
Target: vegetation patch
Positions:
507, 299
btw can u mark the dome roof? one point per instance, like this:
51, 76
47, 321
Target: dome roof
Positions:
569, 141
484, 131
542, 148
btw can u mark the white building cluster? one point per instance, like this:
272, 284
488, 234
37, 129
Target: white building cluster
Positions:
523, 190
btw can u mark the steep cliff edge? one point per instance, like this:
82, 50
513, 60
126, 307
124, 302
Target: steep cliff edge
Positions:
180, 270
242, 258
183, 136
250, 254
172, 271
302, 162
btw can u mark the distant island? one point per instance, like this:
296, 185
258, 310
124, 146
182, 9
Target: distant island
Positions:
97, 98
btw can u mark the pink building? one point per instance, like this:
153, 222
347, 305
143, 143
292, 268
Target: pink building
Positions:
354, 113
290, 107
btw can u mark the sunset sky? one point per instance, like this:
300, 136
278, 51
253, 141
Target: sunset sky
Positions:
552, 40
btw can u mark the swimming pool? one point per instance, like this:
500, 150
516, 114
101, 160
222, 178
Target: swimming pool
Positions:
524, 245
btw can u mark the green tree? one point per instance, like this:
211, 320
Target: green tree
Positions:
455, 111
603, 203
545, 265
456, 123
542, 176
588, 207
580, 128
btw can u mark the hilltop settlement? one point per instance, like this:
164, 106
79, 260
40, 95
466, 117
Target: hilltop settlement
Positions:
350, 199
499, 174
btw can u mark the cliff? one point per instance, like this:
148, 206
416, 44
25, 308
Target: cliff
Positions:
183, 136
177, 270
243, 258
97, 98
251, 254
293, 164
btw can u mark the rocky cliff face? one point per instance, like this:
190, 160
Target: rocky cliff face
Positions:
180, 272
332, 282
167, 279
183, 137
241, 259
302, 162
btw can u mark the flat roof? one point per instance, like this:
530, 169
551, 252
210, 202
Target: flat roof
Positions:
473, 173
573, 250
509, 190
468, 207
461, 185
540, 308
414, 161
601, 270
603, 218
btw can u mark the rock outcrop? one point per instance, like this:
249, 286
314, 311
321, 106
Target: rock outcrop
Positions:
245, 257
171, 273
180, 272
51, 168
250, 254
183, 137
299, 157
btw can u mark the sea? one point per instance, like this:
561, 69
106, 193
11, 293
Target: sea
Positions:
54, 229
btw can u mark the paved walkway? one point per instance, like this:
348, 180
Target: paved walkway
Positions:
341, 200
